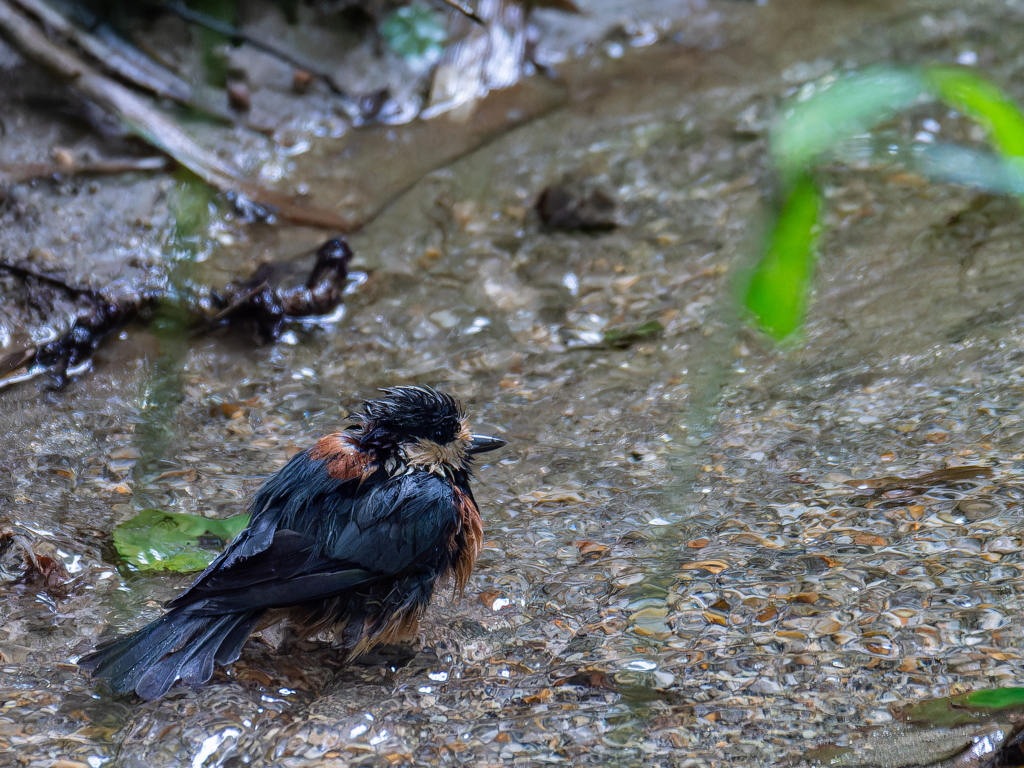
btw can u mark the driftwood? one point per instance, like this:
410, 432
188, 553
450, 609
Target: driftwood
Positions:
143, 120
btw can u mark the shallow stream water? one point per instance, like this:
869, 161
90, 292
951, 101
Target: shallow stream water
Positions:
678, 569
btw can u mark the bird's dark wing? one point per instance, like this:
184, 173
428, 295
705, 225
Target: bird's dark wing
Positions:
396, 524
313, 536
286, 572
332, 468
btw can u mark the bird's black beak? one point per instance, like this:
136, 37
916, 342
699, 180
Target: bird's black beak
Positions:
484, 443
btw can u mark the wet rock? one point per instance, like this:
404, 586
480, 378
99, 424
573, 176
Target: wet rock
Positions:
570, 206
239, 96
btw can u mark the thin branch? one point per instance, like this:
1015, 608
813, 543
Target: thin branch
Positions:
201, 19
22, 172
144, 121
464, 9
123, 59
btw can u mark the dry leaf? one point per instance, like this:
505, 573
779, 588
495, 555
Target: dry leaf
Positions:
713, 617
551, 497
869, 540
767, 614
590, 547
488, 597
542, 696
713, 566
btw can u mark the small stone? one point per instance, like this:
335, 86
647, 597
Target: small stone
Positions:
239, 96
301, 81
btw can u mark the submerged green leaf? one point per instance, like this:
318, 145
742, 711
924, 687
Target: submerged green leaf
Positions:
996, 698
778, 291
155, 540
966, 708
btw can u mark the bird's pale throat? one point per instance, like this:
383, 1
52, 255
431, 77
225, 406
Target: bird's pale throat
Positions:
434, 457
428, 455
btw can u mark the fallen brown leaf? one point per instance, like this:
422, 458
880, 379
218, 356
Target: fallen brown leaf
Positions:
869, 540
712, 566
590, 547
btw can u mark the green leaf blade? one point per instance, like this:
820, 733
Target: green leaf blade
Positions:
996, 698
983, 102
778, 292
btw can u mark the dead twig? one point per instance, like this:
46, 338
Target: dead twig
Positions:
261, 303
115, 56
38, 571
201, 19
929, 480
464, 9
144, 121
21, 172
70, 352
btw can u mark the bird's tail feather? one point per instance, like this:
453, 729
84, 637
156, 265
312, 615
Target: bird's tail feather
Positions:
178, 644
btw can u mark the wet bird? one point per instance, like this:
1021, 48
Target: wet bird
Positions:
350, 537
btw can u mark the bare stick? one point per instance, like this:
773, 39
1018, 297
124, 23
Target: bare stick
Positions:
22, 172
143, 72
228, 30
144, 121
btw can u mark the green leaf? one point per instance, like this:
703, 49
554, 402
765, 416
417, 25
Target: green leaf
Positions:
825, 114
996, 698
983, 102
623, 337
155, 540
778, 291
415, 32
966, 708
192, 205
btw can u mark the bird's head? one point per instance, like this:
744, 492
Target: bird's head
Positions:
422, 429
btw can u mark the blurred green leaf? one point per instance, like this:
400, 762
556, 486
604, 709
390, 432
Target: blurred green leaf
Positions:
212, 43
983, 102
415, 32
826, 114
155, 540
192, 204
778, 291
